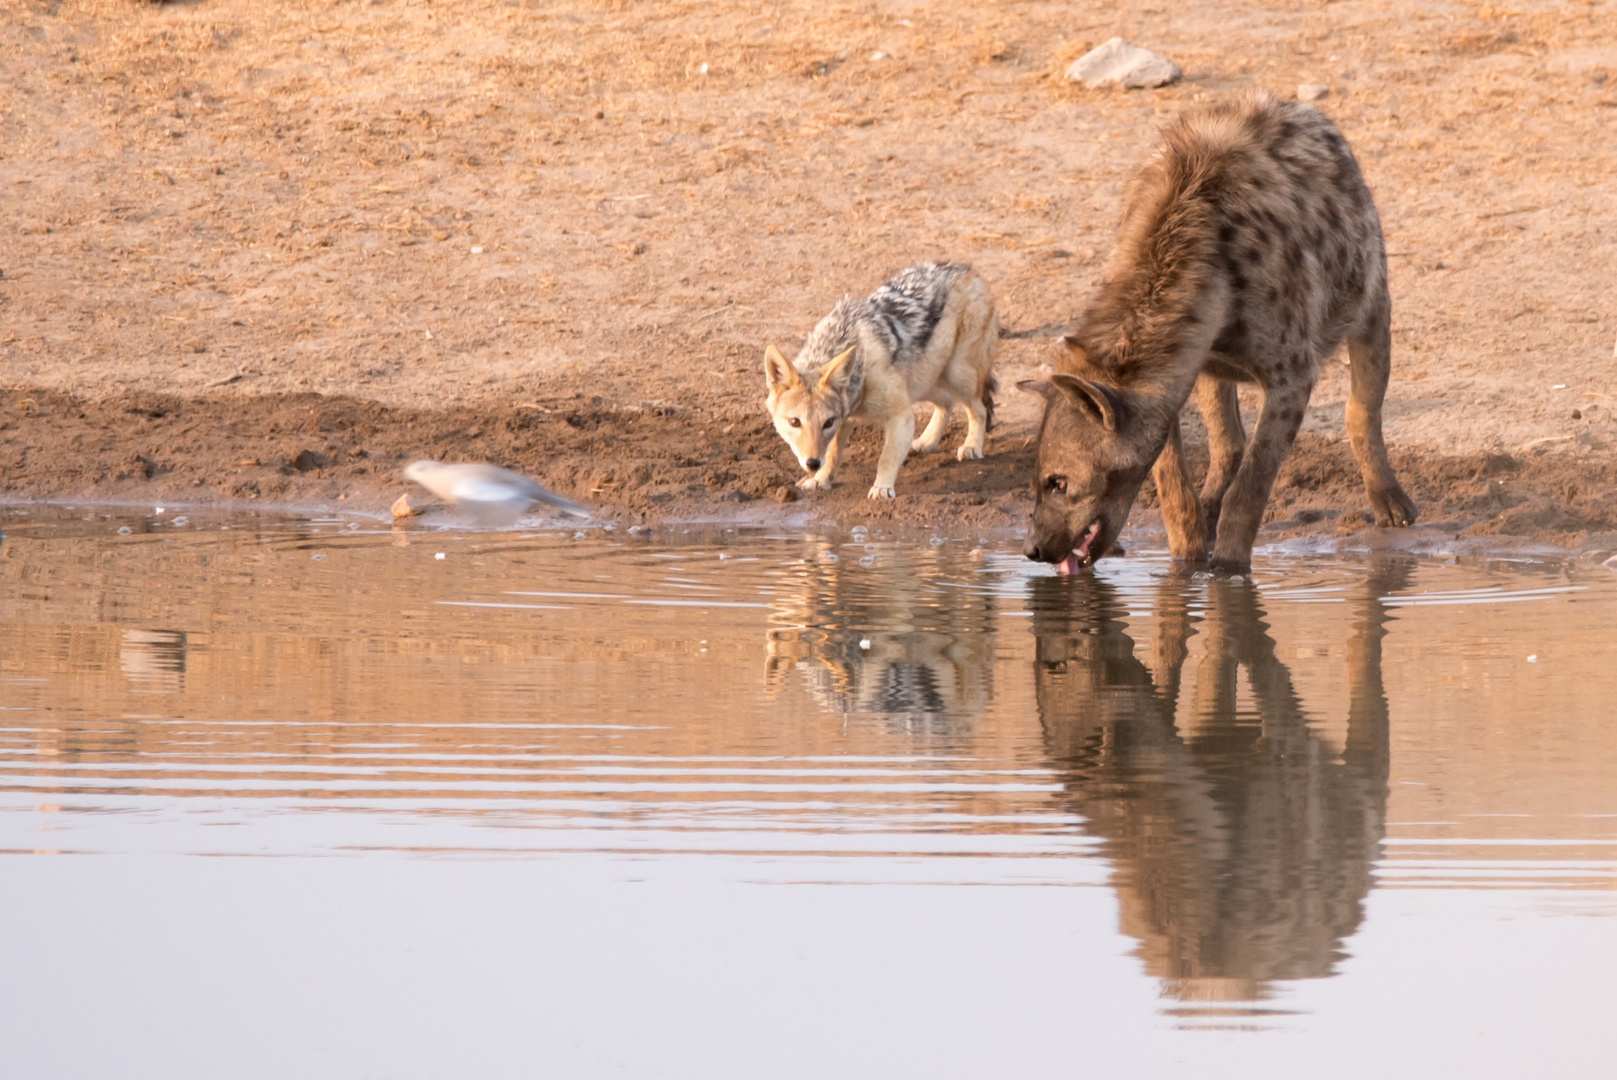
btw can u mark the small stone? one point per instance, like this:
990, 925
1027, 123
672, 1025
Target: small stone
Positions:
1577, 414
1313, 91
403, 508
1117, 63
784, 494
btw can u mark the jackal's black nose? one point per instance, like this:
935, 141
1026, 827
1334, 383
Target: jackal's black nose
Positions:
812, 464
1030, 550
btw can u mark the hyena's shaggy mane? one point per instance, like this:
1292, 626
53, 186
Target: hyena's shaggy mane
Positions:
1167, 245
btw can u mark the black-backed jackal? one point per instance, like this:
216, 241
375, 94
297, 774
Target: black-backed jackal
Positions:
928, 335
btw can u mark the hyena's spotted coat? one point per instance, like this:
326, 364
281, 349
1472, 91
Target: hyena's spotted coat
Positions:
1249, 250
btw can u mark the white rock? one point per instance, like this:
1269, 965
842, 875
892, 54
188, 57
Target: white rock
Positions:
1312, 91
1121, 64
1609, 564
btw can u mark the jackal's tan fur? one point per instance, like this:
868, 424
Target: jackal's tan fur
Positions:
927, 335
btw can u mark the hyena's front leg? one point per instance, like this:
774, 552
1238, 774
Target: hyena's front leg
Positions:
899, 433
1220, 406
932, 438
821, 479
1244, 503
1181, 514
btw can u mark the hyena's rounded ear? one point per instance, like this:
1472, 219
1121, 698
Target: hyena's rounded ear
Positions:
1101, 402
837, 370
1077, 355
778, 370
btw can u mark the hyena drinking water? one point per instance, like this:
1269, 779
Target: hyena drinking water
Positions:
1250, 248
928, 335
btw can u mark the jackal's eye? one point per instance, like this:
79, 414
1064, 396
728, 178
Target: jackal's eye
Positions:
829, 424
795, 422
1056, 484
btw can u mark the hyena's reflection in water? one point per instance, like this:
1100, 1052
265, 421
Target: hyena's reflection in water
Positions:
911, 651
1243, 843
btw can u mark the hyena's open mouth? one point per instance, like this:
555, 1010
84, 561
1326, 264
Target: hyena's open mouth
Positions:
1083, 554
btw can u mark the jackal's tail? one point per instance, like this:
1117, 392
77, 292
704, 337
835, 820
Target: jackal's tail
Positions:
988, 402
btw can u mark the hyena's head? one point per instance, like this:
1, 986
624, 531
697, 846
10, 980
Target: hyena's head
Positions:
809, 412
1090, 468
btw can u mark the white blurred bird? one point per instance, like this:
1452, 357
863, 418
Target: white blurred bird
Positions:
488, 491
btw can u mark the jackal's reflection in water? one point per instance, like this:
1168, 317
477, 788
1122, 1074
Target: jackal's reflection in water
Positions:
1243, 843
914, 651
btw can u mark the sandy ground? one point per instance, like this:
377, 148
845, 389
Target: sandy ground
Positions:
272, 251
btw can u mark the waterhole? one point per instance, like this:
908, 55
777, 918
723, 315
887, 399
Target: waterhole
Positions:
287, 796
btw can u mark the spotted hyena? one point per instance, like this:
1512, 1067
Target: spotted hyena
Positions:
1250, 248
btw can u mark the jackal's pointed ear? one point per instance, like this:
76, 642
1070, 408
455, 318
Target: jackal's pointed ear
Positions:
1042, 387
779, 371
836, 372
1102, 402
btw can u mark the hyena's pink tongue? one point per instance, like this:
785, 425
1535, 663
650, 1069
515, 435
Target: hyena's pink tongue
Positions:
1075, 560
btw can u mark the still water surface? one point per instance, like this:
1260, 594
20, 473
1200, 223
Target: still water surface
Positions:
309, 797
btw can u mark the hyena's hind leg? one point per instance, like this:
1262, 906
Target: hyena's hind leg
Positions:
1220, 406
1370, 364
932, 438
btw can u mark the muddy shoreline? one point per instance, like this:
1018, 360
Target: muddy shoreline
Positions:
656, 463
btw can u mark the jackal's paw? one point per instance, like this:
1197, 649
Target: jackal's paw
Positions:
969, 453
815, 483
879, 492
920, 446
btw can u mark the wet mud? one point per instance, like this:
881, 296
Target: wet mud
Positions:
716, 458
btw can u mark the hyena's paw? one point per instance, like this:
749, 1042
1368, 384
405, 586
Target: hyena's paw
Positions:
1393, 508
879, 492
815, 483
1234, 567
969, 453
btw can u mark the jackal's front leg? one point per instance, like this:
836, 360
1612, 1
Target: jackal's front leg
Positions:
820, 479
898, 432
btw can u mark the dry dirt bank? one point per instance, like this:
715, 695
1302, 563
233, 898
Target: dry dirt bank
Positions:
237, 231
